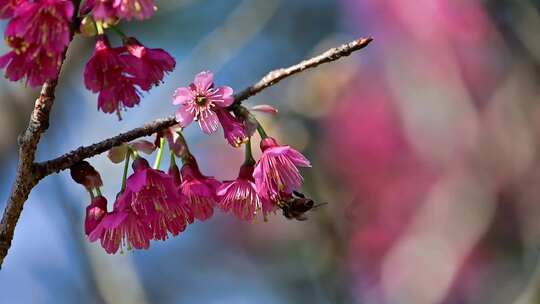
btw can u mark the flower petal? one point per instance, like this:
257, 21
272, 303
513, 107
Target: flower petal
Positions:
209, 122
184, 117
204, 81
182, 95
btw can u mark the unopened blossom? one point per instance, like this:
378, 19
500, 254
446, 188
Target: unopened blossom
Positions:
240, 196
95, 213
83, 173
43, 23
148, 65
175, 141
276, 171
233, 130
267, 109
156, 200
199, 190
200, 100
105, 73
122, 227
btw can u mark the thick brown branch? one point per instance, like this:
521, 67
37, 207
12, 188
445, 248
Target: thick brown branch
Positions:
25, 179
69, 159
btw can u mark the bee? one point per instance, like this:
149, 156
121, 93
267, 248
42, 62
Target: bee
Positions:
297, 205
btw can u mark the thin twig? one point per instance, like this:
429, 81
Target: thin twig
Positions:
69, 159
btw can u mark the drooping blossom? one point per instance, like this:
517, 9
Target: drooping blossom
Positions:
240, 196
110, 10
199, 190
122, 227
105, 73
44, 23
156, 200
33, 62
276, 171
147, 64
7, 7
135, 9
200, 100
95, 213
233, 130
38, 34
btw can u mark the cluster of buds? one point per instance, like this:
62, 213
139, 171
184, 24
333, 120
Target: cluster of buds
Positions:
153, 204
39, 32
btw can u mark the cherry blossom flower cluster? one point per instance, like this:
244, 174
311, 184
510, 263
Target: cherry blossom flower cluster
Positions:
153, 204
39, 31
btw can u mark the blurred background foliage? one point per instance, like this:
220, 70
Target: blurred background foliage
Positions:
425, 145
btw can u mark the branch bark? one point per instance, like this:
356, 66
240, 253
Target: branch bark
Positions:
26, 179
30, 173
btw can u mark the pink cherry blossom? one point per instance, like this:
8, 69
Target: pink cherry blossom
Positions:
148, 65
33, 62
122, 227
134, 9
240, 196
7, 7
95, 213
233, 130
45, 23
105, 73
156, 200
200, 191
101, 10
276, 171
200, 100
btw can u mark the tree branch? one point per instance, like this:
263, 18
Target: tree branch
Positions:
69, 159
25, 178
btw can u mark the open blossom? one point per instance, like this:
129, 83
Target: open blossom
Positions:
199, 190
104, 73
95, 213
233, 130
276, 171
200, 100
122, 227
156, 200
146, 64
240, 196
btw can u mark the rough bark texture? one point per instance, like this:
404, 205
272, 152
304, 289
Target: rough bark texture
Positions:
29, 173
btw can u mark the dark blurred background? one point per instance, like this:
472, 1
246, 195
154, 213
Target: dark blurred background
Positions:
425, 145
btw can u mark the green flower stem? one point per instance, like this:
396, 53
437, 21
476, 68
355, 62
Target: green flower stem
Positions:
98, 191
173, 159
248, 159
91, 194
99, 28
126, 167
159, 156
118, 31
261, 131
